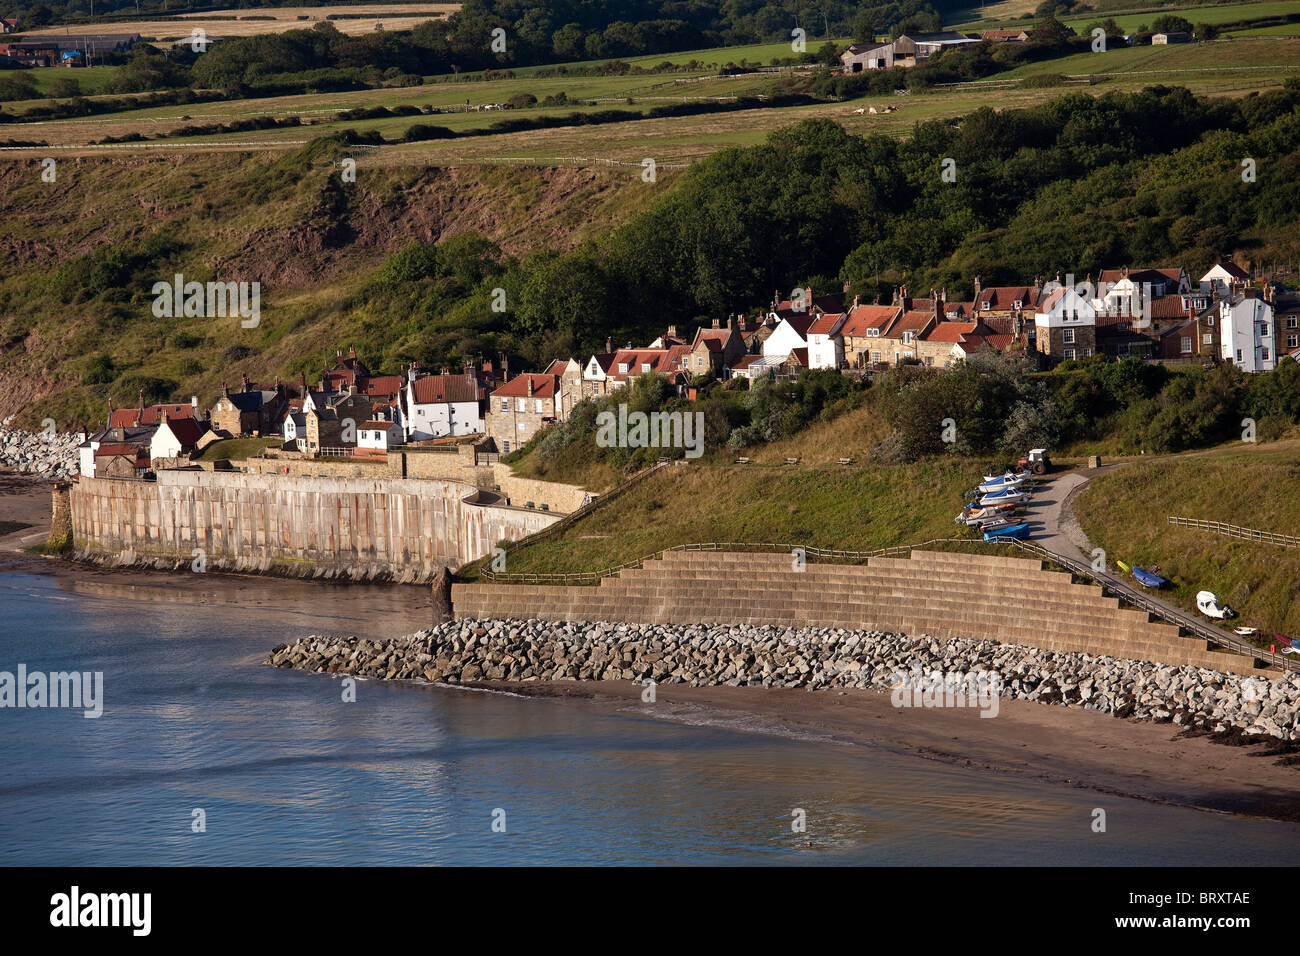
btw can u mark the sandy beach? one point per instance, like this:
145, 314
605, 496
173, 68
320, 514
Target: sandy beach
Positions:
1080, 748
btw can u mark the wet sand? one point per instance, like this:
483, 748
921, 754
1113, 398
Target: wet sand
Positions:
1070, 746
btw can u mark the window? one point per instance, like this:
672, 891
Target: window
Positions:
1207, 339
506, 443
1187, 344
1291, 342
1017, 304
622, 368
645, 366
521, 404
875, 357
1209, 321
1263, 330
1085, 353
1263, 355
1068, 336
1238, 355
505, 404
523, 426
537, 406
907, 337
1069, 354
873, 333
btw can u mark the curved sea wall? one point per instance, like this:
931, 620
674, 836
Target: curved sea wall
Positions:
348, 528
467, 651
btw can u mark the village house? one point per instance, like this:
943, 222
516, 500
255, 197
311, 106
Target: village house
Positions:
250, 411
1005, 36
123, 448
150, 415
569, 372
9, 25
898, 341
377, 435
791, 333
521, 408
595, 374
1066, 325
441, 406
825, 343
175, 437
332, 427
629, 364
950, 341
1246, 332
715, 349
861, 330
1224, 277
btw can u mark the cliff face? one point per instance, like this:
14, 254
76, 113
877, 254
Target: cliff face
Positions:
287, 221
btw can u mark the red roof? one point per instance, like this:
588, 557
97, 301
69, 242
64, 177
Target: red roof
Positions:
128, 417
187, 430
1005, 297
865, 317
825, 323
544, 386
950, 331
913, 321
385, 386
440, 389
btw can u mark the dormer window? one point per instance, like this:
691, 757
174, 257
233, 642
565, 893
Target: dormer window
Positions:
907, 337
622, 368
645, 366
1017, 304
873, 333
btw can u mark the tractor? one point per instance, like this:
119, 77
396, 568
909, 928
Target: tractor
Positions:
1037, 462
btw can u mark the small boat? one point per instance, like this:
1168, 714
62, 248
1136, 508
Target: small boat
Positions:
1290, 645
1250, 632
1000, 484
1207, 602
1003, 497
996, 524
1020, 530
1123, 567
1008, 475
1149, 579
974, 516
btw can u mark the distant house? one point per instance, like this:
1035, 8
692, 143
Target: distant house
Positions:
440, 406
569, 373
715, 349
520, 408
1246, 332
948, 341
1161, 39
825, 343
1066, 324
861, 330
867, 56
1223, 277
151, 415
379, 434
790, 333
629, 364
31, 53
250, 411
595, 374
9, 25
917, 48
126, 446
175, 438
1005, 36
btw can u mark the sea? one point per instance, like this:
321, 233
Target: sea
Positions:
203, 755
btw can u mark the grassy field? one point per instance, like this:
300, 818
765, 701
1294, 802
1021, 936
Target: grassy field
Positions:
90, 78
854, 508
263, 20
1125, 513
999, 15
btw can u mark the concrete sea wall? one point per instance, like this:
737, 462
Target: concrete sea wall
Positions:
352, 528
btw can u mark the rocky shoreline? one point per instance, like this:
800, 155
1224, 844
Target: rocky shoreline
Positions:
52, 456
473, 652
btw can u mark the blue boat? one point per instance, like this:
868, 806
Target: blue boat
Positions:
1148, 579
1015, 531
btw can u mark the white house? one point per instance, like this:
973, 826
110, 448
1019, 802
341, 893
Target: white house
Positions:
295, 428
439, 406
1224, 277
825, 343
175, 437
379, 433
790, 333
1065, 323
1246, 333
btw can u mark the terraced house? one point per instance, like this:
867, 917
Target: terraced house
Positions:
521, 408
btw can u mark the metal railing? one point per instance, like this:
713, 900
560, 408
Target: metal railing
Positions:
1108, 584
1235, 531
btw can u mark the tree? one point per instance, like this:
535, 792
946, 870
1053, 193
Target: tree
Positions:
1205, 32
1171, 23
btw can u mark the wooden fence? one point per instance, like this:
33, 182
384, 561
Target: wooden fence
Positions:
1234, 531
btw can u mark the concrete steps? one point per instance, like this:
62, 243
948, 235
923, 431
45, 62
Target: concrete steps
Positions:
941, 594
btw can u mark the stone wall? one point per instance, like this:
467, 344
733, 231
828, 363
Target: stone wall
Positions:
357, 528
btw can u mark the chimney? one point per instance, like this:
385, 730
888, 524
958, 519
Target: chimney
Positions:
243, 378
225, 392
609, 344
978, 288
530, 386
715, 323
776, 299
672, 329
162, 415
142, 399
857, 301
194, 403
352, 352
302, 382
743, 323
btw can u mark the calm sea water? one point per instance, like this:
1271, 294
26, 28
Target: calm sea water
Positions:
286, 773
